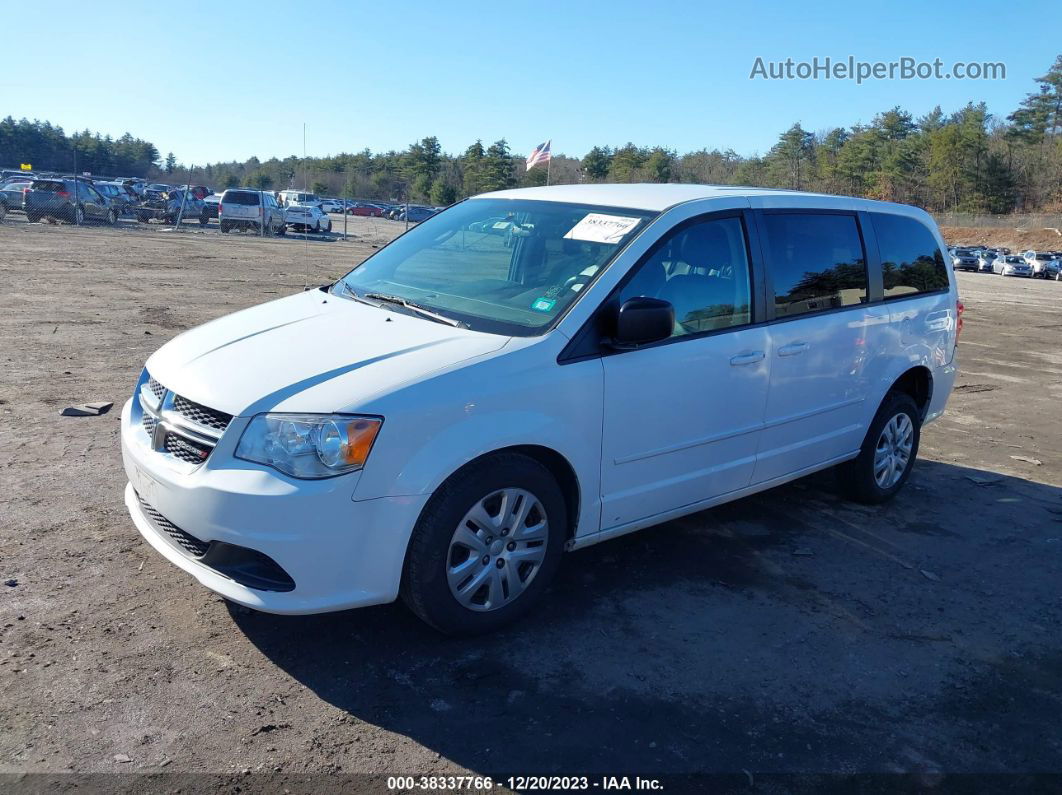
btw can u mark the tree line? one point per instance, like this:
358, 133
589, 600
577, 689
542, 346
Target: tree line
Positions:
966, 161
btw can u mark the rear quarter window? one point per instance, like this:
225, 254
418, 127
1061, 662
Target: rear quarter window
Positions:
911, 261
48, 185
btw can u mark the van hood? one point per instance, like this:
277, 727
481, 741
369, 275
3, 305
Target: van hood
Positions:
311, 352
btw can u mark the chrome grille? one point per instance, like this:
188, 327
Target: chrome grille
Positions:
156, 388
180, 428
189, 543
201, 415
186, 449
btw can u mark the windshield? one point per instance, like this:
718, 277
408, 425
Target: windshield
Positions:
506, 266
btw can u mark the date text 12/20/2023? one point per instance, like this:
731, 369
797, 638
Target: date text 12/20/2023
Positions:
523, 783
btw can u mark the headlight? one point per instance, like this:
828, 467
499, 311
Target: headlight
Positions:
309, 445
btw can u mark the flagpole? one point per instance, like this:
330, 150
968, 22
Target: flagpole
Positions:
548, 164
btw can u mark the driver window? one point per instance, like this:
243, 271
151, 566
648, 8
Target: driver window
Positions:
703, 271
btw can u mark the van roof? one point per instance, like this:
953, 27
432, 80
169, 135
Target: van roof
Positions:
658, 197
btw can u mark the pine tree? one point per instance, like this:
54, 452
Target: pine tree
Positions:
597, 162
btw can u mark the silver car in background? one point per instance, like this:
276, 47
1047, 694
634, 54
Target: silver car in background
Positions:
985, 260
1012, 265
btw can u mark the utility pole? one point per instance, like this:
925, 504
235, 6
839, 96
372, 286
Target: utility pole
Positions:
76, 185
184, 198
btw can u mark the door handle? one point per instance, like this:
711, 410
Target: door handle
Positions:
793, 349
746, 358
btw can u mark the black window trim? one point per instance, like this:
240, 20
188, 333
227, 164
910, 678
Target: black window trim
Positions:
871, 262
586, 342
873, 236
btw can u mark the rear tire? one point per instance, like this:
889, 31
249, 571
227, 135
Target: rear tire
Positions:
79, 215
3, 211
888, 453
504, 560
224, 228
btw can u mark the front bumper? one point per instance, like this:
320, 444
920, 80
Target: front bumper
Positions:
341, 553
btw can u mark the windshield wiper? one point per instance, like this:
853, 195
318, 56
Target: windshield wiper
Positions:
420, 310
354, 295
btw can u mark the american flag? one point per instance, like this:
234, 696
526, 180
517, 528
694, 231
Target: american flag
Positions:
540, 155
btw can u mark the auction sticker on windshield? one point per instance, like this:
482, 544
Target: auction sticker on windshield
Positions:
601, 228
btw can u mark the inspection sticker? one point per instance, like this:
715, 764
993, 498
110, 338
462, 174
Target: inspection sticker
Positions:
601, 228
543, 304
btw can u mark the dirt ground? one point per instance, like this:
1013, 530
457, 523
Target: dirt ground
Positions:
1016, 239
789, 632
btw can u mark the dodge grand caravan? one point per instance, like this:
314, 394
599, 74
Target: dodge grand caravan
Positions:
447, 419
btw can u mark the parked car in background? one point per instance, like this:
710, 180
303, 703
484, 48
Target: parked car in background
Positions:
984, 261
416, 214
1011, 265
12, 193
367, 209
68, 199
964, 260
168, 206
247, 209
210, 207
199, 191
307, 218
1043, 263
332, 205
417, 429
289, 197
120, 197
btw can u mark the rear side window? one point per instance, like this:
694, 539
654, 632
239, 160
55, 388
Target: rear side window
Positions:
815, 262
911, 260
242, 197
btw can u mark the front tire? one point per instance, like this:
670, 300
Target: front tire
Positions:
888, 453
486, 545
112, 218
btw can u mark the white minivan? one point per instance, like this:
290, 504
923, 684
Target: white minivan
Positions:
457, 411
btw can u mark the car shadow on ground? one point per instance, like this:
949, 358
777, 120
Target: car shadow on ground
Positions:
785, 632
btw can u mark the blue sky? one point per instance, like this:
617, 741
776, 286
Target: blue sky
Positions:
226, 79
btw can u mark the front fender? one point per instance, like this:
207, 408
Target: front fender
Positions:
423, 442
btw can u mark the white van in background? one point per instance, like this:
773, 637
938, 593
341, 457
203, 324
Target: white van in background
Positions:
457, 411
290, 197
246, 209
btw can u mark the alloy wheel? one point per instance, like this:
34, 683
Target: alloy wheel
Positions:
892, 455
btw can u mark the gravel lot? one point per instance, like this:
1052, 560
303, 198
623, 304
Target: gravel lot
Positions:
789, 632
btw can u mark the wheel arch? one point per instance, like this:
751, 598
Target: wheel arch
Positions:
557, 465
918, 383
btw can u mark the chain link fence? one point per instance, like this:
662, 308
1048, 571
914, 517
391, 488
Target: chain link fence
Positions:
1013, 221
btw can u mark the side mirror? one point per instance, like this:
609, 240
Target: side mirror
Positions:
642, 320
